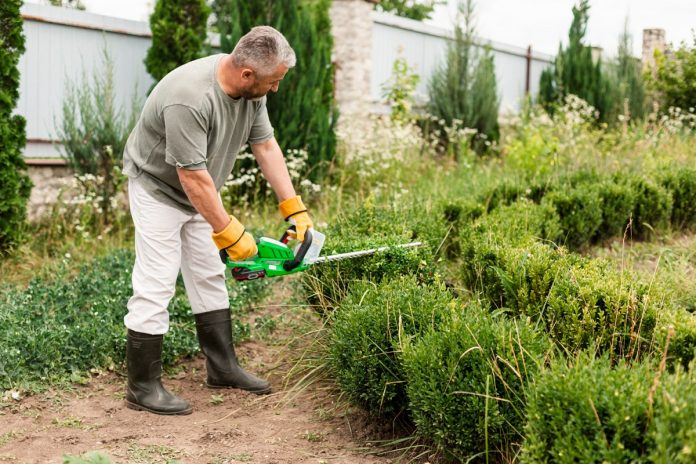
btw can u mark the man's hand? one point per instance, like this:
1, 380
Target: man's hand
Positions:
234, 239
295, 212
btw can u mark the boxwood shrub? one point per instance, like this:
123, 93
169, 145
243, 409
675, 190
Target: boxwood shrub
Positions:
591, 410
466, 383
591, 305
580, 211
369, 227
580, 302
682, 341
368, 330
653, 208
681, 183
673, 433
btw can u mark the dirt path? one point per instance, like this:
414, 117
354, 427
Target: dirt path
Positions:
227, 426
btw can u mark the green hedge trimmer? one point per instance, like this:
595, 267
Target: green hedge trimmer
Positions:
275, 258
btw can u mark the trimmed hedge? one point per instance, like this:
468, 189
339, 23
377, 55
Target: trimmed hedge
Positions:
590, 412
581, 302
466, 382
595, 412
370, 227
592, 207
368, 331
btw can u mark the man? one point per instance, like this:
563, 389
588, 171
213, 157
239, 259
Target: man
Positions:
177, 158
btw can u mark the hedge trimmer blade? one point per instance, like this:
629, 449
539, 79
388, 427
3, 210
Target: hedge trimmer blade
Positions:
357, 254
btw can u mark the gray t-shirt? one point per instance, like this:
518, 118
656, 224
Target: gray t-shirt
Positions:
188, 121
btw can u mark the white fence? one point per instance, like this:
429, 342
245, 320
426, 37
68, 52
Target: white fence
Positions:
61, 43
424, 47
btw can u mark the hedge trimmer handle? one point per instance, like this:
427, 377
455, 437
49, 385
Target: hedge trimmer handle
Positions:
301, 252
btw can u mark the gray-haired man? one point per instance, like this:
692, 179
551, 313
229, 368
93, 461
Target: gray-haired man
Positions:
177, 158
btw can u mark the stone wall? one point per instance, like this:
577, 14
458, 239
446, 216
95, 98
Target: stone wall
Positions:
351, 27
48, 181
653, 39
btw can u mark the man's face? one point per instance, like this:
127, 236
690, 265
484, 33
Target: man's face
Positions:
258, 85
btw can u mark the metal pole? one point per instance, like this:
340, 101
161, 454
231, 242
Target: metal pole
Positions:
527, 82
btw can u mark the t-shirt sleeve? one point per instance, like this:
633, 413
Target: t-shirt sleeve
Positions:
261, 129
186, 133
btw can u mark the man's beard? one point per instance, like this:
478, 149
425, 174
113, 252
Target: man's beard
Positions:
251, 95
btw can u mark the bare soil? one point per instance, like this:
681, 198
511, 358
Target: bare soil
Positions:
226, 426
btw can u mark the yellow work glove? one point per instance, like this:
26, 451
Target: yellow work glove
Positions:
295, 212
234, 239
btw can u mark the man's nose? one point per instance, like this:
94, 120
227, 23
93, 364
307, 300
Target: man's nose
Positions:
274, 88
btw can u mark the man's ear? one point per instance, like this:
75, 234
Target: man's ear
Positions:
247, 74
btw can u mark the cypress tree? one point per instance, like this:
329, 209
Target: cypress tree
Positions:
302, 112
574, 70
178, 35
464, 87
15, 185
629, 85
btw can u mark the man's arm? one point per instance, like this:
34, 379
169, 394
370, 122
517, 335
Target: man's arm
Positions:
272, 163
200, 189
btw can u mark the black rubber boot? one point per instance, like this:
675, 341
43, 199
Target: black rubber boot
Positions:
214, 330
145, 390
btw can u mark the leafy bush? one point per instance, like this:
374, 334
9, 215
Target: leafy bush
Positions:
399, 89
15, 185
679, 326
588, 412
56, 330
369, 328
93, 133
653, 208
581, 302
589, 305
594, 411
370, 227
673, 77
466, 383
681, 183
673, 434
618, 201
580, 213
178, 35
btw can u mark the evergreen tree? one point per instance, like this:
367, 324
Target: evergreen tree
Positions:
302, 112
178, 35
413, 9
574, 70
15, 185
629, 86
464, 87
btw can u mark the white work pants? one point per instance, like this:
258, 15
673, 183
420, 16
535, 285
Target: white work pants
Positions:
167, 239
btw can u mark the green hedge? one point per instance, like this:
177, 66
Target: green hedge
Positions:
466, 383
673, 433
368, 331
593, 412
370, 227
60, 328
592, 207
581, 302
